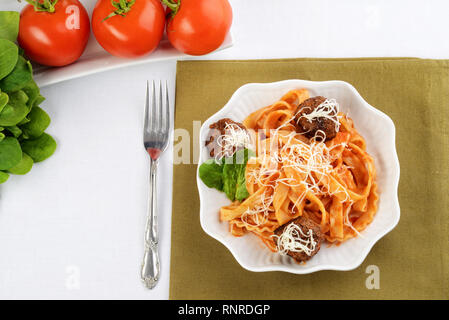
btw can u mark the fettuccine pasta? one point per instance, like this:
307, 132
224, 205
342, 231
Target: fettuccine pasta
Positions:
332, 183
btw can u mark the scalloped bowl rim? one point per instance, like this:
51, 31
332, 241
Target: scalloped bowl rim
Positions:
301, 269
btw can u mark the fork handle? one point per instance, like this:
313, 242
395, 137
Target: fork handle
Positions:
150, 264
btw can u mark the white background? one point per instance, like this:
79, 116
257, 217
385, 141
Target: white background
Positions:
73, 227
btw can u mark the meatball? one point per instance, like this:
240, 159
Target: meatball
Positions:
225, 147
312, 123
301, 229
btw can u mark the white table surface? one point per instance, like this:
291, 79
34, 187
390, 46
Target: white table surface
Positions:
73, 227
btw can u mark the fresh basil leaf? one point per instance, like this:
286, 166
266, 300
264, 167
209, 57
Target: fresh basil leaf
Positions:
229, 175
39, 121
20, 76
229, 180
211, 174
242, 156
241, 192
234, 180
24, 166
15, 110
9, 25
10, 153
9, 54
41, 148
3, 177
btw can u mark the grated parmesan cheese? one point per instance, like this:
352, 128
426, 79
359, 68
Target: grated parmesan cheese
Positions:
328, 109
293, 239
234, 138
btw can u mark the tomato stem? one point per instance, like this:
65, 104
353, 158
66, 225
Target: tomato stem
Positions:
43, 5
173, 5
122, 8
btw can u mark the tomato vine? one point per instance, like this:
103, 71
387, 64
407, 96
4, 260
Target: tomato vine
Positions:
43, 6
173, 5
122, 8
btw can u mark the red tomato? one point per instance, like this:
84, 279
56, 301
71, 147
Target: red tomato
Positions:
136, 33
54, 38
198, 26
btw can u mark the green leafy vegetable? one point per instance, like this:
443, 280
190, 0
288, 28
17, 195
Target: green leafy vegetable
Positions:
41, 148
9, 25
229, 181
23, 167
25, 120
10, 153
227, 176
241, 192
9, 53
235, 177
22, 122
211, 174
15, 110
34, 97
3, 100
38, 121
20, 76
3, 177
14, 130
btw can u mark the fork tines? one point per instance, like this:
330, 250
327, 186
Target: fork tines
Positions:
157, 120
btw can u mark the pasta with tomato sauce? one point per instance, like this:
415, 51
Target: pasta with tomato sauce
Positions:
310, 163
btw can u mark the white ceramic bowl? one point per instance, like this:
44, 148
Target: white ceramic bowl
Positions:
378, 130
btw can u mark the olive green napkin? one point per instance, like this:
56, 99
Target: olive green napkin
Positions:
412, 260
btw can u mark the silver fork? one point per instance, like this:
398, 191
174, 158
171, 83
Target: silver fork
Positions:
156, 134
